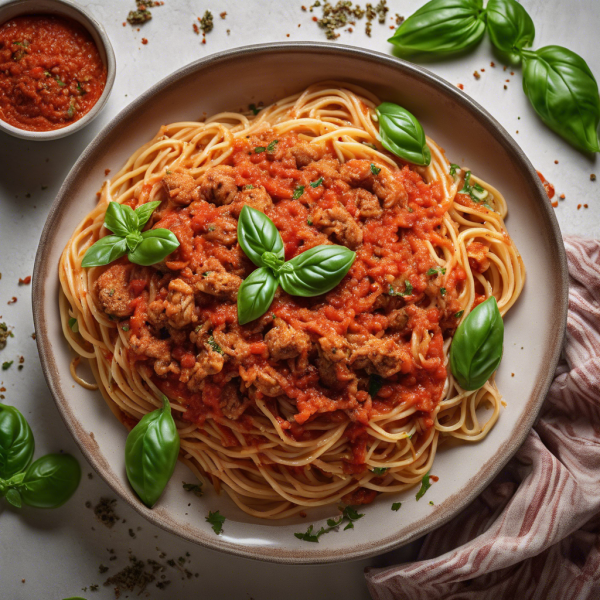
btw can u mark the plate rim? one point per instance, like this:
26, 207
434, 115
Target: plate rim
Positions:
454, 504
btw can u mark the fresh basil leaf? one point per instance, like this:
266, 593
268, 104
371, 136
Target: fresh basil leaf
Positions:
104, 251
155, 246
256, 295
121, 219
13, 496
272, 261
316, 271
257, 234
564, 93
133, 241
151, 453
145, 211
425, 485
441, 27
476, 349
16, 442
401, 134
510, 27
50, 481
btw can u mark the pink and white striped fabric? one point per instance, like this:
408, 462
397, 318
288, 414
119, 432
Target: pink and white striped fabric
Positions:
534, 533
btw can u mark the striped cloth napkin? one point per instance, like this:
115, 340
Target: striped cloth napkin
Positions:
534, 533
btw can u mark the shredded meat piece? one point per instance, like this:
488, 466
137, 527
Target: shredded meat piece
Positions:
389, 189
328, 168
218, 186
257, 198
208, 363
233, 344
155, 348
367, 203
181, 188
380, 356
177, 310
113, 290
333, 362
220, 284
285, 342
231, 402
357, 173
337, 221
305, 153
263, 379
477, 253
397, 319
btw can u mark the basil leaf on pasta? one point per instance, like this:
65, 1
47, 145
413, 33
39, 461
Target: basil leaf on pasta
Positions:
121, 219
402, 134
257, 234
316, 271
155, 246
256, 295
104, 251
144, 212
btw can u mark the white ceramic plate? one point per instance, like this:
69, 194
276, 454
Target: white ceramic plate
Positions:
534, 327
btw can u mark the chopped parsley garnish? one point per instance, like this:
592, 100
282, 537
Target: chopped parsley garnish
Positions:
298, 192
111, 293
453, 169
196, 488
254, 109
125, 328
249, 186
211, 227
309, 221
375, 384
436, 270
379, 470
317, 183
6, 365
443, 291
396, 506
259, 149
409, 209
459, 314
214, 346
431, 502
408, 289
73, 325
80, 89
375, 170
216, 519
425, 485
71, 110
271, 146
349, 514
475, 191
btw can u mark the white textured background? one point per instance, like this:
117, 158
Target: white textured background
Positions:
58, 552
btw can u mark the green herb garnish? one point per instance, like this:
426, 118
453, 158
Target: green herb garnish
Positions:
216, 519
436, 270
349, 515
196, 488
214, 346
6, 365
271, 146
298, 192
259, 149
317, 183
453, 169
74, 325
396, 506
425, 485
375, 170
379, 470
375, 384
408, 290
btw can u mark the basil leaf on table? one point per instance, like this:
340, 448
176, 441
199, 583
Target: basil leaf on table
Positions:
257, 234
50, 481
155, 246
256, 294
564, 93
510, 27
121, 219
16, 442
476, 349
316, 271
151, 453
441, 27
402, 134
105, 251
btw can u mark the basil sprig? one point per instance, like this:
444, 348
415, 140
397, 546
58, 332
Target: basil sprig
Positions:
147, 248
151, 453
314, 272
46, 483
510, 27
558, 82
476, 349
441, 27
564, 93
402, 134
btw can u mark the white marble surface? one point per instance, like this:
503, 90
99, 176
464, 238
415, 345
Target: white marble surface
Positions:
58, 553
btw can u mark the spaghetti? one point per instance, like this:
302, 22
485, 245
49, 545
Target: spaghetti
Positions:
327, 399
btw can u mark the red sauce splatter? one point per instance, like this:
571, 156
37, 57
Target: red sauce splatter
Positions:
25, 281
51, 73
547, 186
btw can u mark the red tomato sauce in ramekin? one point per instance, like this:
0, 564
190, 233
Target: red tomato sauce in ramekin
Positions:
51, 72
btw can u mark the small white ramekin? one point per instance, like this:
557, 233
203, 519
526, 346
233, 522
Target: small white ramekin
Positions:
63, 8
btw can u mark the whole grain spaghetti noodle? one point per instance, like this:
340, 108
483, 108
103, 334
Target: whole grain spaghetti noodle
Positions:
327, 399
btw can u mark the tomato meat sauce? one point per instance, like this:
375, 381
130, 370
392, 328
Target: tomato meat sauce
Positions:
376, 341
51, 72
